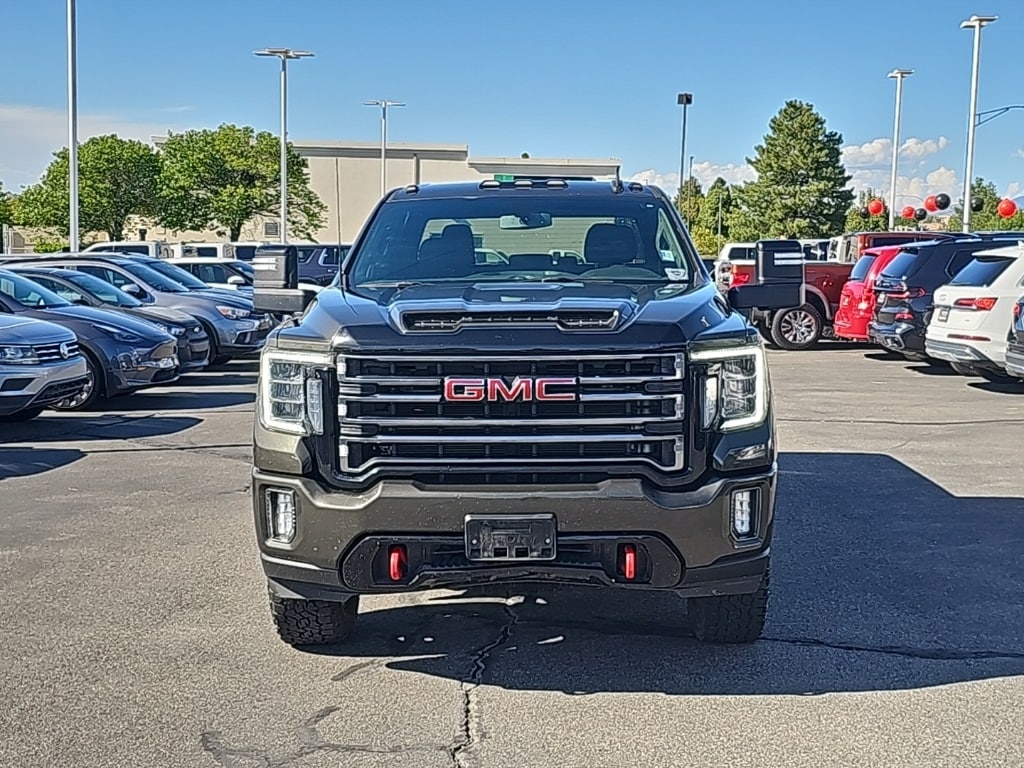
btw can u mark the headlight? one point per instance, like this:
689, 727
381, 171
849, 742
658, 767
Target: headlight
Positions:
234, 313
291, 392
735, 388
18, 355
173, 330
125, 337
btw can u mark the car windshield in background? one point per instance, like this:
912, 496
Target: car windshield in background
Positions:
28, 293
324, 255
862, 267
178, 275
554, 239
983, 271
153, 278
101, 289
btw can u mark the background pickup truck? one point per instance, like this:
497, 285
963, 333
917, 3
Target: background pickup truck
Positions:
798, 327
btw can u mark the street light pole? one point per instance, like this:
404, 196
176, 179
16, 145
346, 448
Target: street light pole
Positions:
685, 100
383, 104
284, 54
73, 240
898, 75
977, 23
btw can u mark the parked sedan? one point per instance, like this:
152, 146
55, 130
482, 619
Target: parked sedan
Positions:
968, 328
235, 330
86, 290
122, 354
41, 364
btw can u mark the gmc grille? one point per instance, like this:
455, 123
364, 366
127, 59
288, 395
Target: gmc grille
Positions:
392, 412
433, 322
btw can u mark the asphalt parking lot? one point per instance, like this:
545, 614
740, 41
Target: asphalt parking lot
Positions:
135, 631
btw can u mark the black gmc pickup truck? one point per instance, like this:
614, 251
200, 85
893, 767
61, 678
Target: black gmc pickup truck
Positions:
509, 381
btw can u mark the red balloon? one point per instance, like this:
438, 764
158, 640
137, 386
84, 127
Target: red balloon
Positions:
930, 205
1006, 208
907, 212
875, 207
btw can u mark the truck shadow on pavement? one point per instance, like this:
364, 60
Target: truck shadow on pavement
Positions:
881, 580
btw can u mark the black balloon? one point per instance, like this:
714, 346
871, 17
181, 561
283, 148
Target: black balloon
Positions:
942, 201
865, 213
977, 204
920, 214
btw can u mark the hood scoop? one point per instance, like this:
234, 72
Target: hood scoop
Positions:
564, 320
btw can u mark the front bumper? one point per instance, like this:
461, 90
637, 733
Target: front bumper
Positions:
684, 539
962, 352
133, 368
1015, 359
899, 336
193, 352
244, 338
31, 386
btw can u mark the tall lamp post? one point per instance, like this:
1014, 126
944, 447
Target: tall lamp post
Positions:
383, 104
977, 23
898, 75
72, 128
684, 100
284, 54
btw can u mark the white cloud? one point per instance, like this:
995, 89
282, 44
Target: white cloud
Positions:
30, 135
1014, 191
877, 153
704, 172
910, 190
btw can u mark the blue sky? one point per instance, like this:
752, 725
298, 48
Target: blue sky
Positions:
556, 79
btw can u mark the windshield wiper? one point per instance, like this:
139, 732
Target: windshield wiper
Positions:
397, 284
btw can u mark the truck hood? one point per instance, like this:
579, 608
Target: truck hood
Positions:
25, 330
516, 315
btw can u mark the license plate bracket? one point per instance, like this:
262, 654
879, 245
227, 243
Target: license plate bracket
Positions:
510, 538
943, 314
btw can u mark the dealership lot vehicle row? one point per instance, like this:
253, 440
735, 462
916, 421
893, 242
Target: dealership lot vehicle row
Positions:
902, 541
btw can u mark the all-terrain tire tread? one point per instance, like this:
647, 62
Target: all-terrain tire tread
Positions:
312, 622
730, 619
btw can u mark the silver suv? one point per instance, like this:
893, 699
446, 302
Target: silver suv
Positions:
40, 365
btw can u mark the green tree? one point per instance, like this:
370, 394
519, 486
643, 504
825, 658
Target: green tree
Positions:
801, 187
855, 222
689, 199
223, 178
715, 211
988, 217
6, 206
117, 178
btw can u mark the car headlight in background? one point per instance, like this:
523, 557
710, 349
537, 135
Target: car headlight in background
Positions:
18, 355
735, 387
292, 392
234, 313
118, 334
173, 330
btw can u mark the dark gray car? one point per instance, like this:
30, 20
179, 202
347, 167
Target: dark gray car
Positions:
122, 354
234, 329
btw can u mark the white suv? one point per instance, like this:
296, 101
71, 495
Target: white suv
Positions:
973, 313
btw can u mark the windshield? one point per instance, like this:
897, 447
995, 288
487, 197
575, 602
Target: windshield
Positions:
101, 289
243, 268
153, 278
578, 239
863, 265
29, 293
178, 275
983, 271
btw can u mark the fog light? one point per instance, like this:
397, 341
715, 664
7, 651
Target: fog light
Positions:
742, 512
281, 515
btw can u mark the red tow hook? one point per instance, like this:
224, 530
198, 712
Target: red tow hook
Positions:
398, 562
628, 561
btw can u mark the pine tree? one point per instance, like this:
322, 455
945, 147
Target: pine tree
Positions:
801, 187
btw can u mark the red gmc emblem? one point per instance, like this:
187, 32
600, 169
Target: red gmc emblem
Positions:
497, 390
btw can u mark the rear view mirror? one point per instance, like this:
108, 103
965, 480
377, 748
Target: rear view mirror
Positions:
276, 280
778, 281
526, 221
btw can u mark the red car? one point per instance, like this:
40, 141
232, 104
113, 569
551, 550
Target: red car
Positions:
857, 301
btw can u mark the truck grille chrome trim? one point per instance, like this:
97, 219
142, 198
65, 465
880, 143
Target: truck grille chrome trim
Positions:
432, 322
627, 409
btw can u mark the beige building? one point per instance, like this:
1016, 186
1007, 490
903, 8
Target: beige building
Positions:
346, 176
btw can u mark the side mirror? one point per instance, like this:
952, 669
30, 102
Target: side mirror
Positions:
132, 290
276, 280
778, 281
236, 280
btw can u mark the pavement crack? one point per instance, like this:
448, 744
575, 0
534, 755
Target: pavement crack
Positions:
468, 737
930, 654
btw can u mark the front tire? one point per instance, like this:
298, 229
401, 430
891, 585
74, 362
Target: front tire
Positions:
729, 619
797, 328
307, 623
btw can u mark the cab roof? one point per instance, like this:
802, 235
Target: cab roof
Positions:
519, 185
